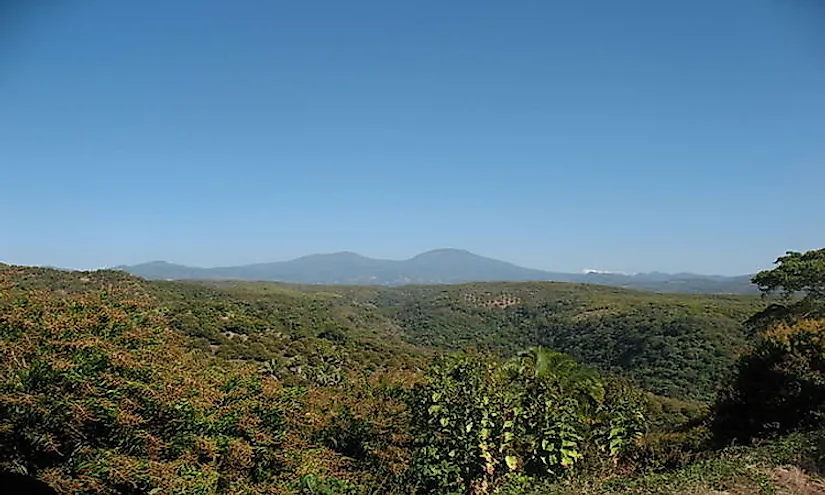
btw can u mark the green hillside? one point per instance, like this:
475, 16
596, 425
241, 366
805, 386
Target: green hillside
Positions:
113, 384
677, 345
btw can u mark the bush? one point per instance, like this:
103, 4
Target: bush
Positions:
779, 386
98, 396
311, 484
476, 419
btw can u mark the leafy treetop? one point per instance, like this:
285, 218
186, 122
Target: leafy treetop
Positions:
796, 273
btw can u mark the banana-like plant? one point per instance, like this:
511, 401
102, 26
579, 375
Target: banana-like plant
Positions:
476, 418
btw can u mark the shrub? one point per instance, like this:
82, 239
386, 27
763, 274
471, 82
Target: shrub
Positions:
779, 386
98, 396
475, 419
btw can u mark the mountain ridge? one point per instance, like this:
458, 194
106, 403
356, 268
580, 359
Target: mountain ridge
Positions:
437, 266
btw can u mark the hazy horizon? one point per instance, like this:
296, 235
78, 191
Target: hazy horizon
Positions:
383, 258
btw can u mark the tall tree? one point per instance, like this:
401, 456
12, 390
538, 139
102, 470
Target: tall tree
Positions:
796, 273
779, 386
799, 278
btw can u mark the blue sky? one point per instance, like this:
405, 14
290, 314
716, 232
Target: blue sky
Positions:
629, 136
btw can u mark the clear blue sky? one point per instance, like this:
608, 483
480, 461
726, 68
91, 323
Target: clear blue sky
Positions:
629, 136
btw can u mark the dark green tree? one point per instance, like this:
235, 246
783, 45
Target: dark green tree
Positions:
796, 273
799, 279
779, 386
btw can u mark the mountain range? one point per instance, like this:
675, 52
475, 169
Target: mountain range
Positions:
440, 266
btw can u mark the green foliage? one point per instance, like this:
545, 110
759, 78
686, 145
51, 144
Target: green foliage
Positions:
311, 484
800, 279
476, 418
111, 384
675, 345
770, 468
304, 337
796, 273
349, 435
106, 379
98, 396
779, 386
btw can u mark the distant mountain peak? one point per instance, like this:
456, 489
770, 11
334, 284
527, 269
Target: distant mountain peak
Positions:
438, 266
149, 264
445, 252
338, 254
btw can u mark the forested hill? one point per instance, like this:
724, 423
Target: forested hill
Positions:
680, 345
441, 266
110, 383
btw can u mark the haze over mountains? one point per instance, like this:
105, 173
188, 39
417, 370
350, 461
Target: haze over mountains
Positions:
440, 266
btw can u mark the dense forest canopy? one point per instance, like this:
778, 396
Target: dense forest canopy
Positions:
113, 384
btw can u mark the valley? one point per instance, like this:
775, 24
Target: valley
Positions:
480, 387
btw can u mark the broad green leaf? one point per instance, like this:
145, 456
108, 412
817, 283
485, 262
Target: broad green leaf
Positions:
573, 454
